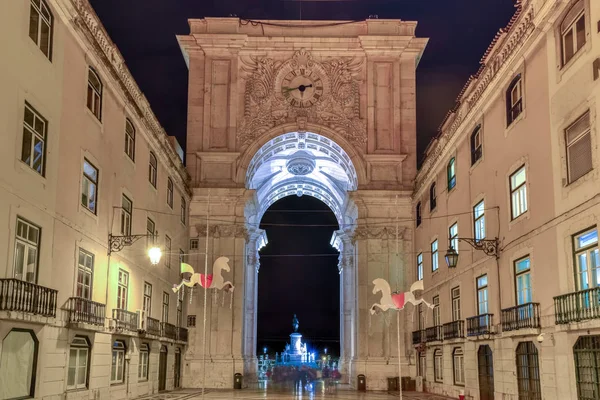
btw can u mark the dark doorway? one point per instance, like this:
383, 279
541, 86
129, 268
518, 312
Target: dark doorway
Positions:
299, 275
162, 369
486, 372
177, 374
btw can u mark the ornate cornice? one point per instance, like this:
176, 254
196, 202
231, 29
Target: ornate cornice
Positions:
494, 62
222, 231
87, 20
378, 232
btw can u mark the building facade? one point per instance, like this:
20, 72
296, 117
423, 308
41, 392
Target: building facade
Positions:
511, 184
90, 181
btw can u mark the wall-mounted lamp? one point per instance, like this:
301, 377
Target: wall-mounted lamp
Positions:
488, 246
116, 244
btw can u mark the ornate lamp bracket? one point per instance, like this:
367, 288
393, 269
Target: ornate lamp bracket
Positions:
488, 246
116, 243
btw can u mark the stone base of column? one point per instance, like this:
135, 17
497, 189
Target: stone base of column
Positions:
219, 372
377, 371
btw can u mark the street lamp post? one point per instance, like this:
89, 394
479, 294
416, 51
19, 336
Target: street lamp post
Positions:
488, 246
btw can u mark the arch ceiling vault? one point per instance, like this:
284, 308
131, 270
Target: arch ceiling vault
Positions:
294, 108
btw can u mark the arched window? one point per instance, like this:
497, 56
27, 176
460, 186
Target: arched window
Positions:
129, 139
514, 99
152, 169
476, 145
18, 364
438, 366
451, 169
458, 365
572, 31
117, 368
143, 362
79, 356
94, 93
528, 372
418, 212
40, 26
432, 197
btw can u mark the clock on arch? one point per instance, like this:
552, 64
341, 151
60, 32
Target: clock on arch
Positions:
302, 87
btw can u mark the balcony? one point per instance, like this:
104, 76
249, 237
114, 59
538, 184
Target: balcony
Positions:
86, 311
433, 334
524, 316
480, 325
418, 337
182, 334
577, 306
454, 330
125, 320
168, 330
152, 326
18, 295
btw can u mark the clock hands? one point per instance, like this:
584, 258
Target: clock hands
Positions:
301, 88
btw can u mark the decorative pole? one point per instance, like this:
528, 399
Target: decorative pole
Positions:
398, 312
205, 295
399, 354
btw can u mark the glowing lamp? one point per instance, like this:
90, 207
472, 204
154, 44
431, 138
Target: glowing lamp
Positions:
451, 257
155, 254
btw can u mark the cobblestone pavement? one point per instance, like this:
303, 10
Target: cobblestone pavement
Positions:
256, 394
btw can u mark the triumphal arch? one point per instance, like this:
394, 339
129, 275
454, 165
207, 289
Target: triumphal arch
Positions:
316, 108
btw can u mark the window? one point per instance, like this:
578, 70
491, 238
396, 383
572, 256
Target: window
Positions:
523, 281
451, 169
117, 368
150, 231
514, 100
455, 303
587, 259
18, 364
579, 148
152, 169
422, 364
436, 311
165, 307
129, 139
458, 364
438, 366
518, 192
193, 244
421, 316
143, 362
479, 218
85, 273
418, 212
528, 372
183, 210
147, 299
482, 295
170, 192
180, 295
89, 186
94, 94
181, 256
420, 267
27, 246
432, 197
122, 290
572, 32
453, 236
40, 26
476, 145
167, 251
434, 255
126, 211
79, 355
33, 149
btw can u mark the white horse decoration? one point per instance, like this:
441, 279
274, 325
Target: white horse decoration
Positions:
212, 281
396, 301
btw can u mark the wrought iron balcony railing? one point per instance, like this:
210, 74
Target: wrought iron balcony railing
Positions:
168, 330
125, 319
520, 317
152, 326
577, 306
418, 336
434, 333
182, 334
86, 311
18, 295
454, 330
480, 325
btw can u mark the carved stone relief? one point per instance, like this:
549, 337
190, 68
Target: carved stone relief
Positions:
266, 106
378, 232
218, 231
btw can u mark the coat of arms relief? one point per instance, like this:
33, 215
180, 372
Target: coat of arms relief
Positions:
302, 89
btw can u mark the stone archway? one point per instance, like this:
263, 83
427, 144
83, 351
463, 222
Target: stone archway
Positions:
244, 96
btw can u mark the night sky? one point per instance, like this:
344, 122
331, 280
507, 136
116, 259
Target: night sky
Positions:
459, 32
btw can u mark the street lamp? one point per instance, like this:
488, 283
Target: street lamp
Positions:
155, 254
488, 246
116, 244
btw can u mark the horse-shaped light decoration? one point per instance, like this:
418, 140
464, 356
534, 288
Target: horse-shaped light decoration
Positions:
212, 281
396, 301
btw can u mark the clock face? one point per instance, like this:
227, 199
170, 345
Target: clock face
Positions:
302, 87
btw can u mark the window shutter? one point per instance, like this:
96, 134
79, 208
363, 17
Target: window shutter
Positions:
579, 148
